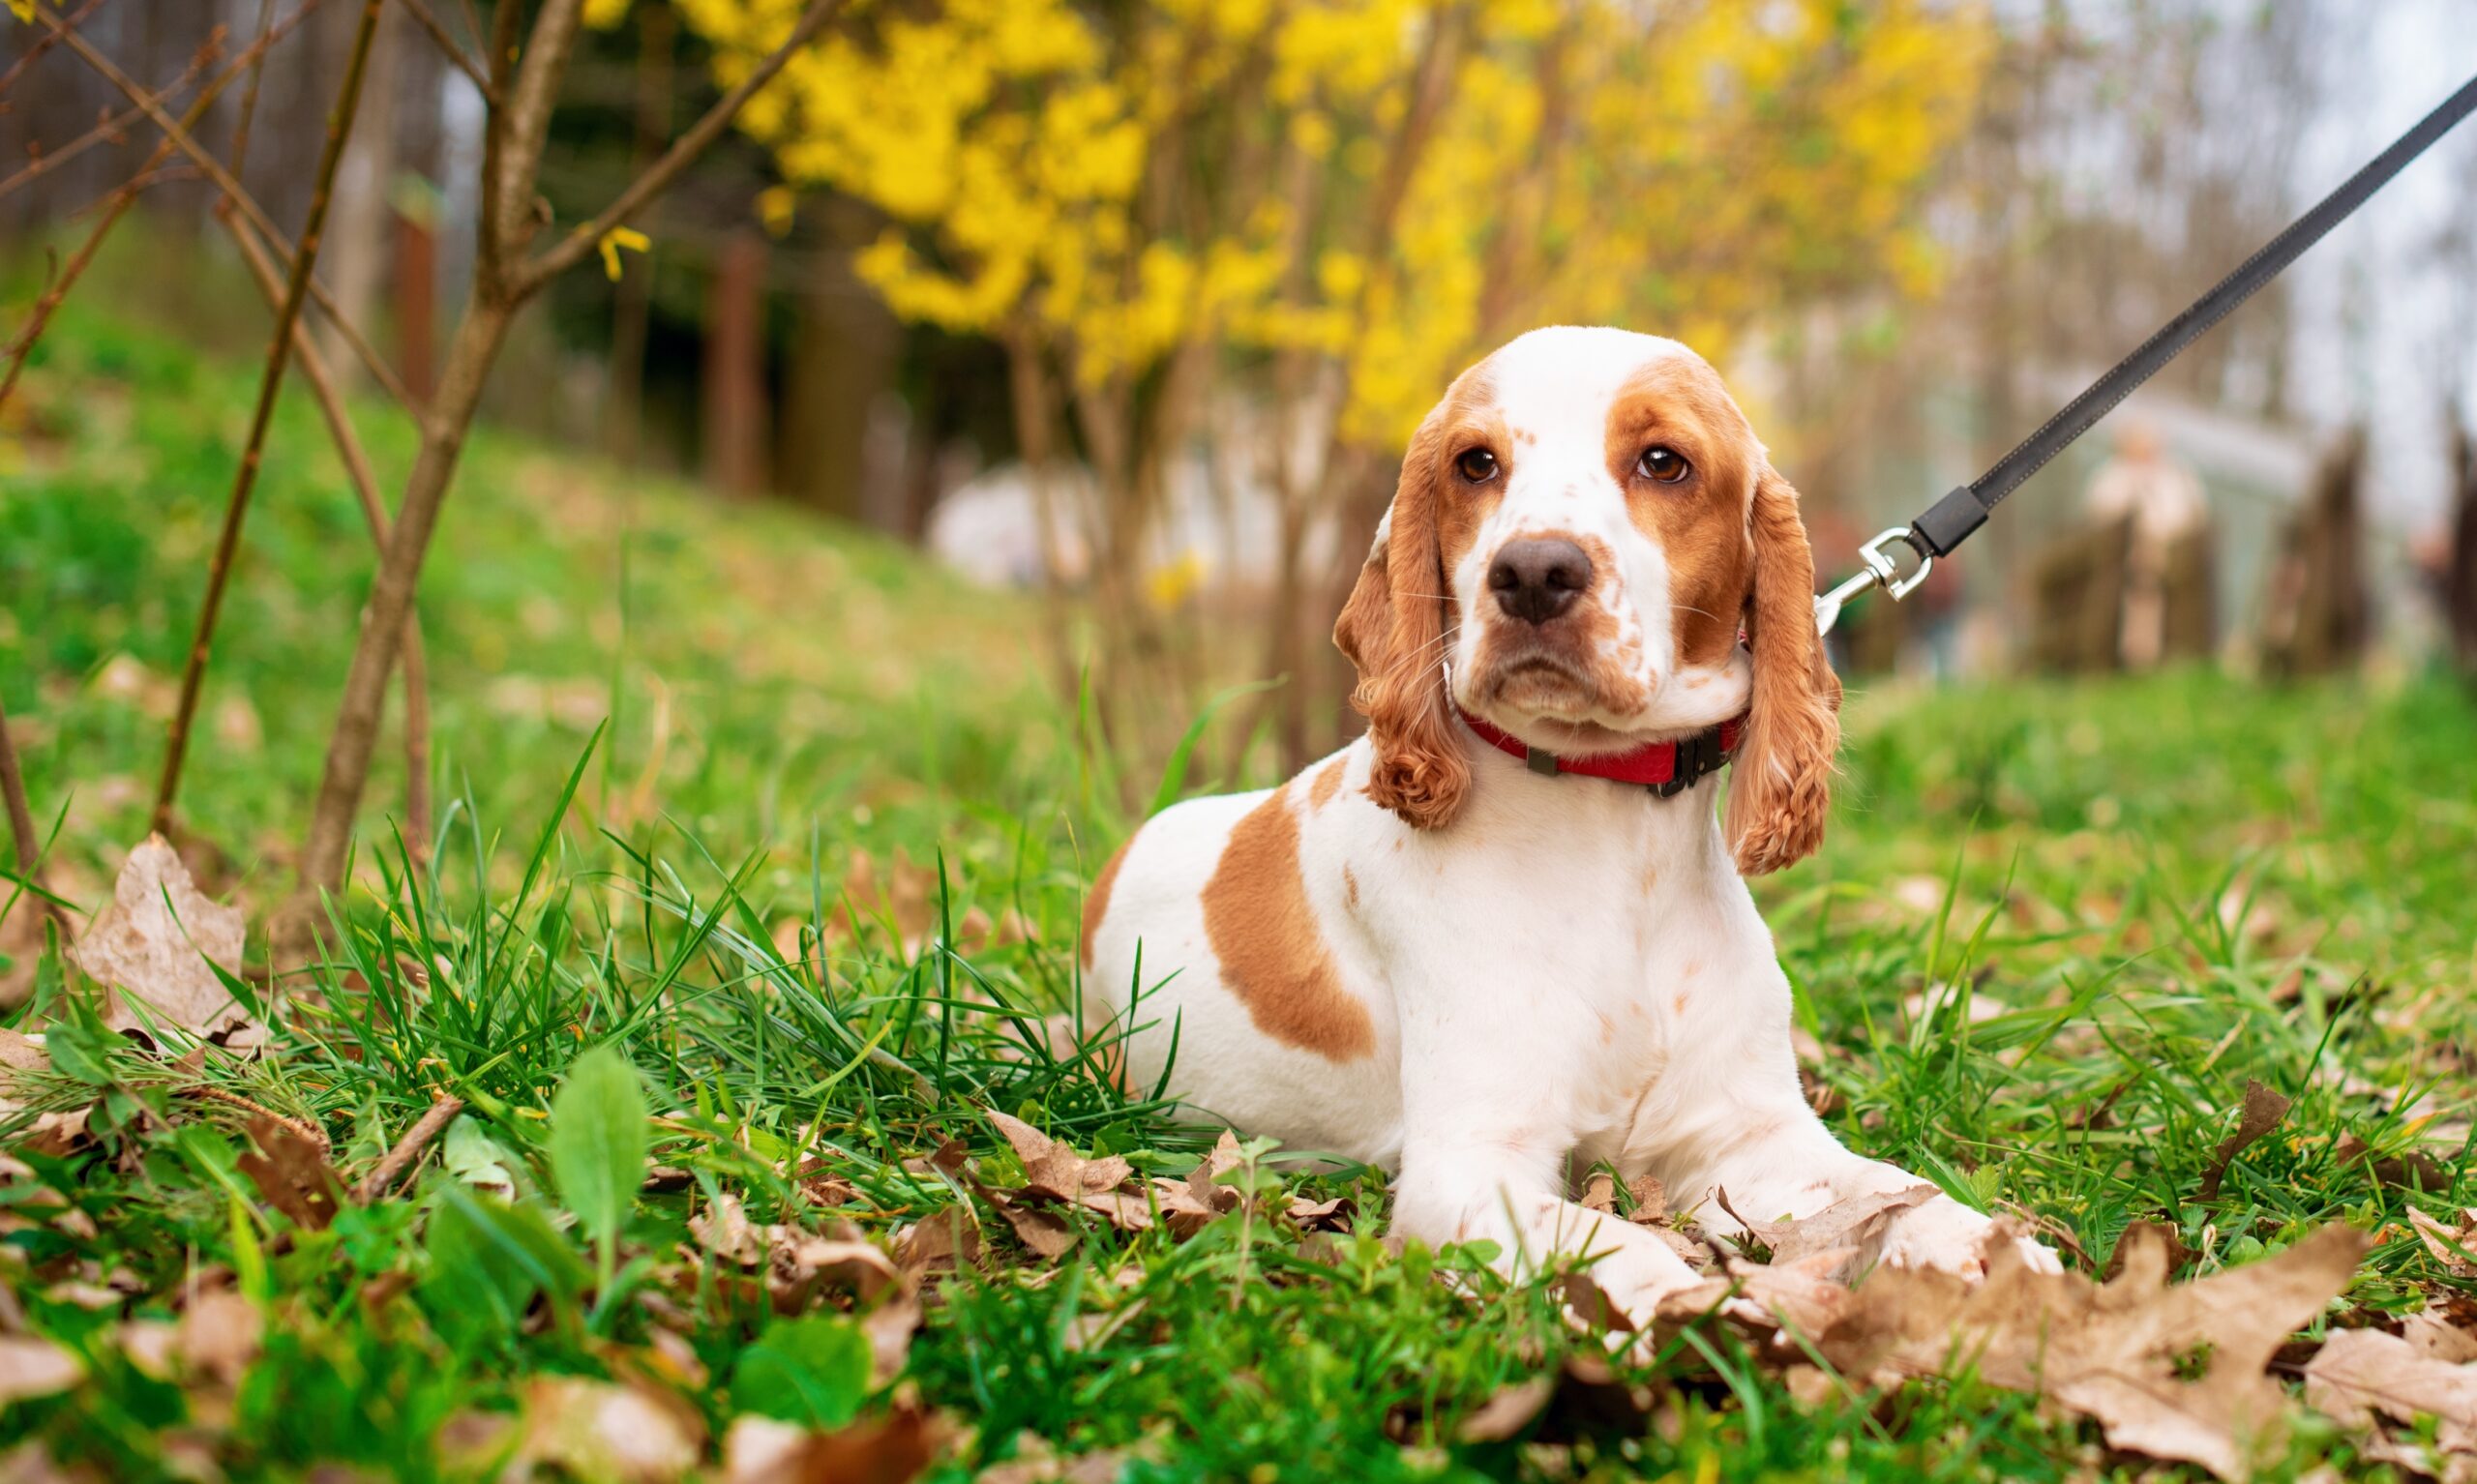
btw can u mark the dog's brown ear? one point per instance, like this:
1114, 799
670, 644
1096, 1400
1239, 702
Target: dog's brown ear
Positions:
1393, 630
1780, 786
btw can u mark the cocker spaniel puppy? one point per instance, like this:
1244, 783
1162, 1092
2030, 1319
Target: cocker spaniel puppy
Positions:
1507, 933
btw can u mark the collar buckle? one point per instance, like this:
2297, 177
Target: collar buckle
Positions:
1697, 756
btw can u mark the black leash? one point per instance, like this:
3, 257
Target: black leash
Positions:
1953, 519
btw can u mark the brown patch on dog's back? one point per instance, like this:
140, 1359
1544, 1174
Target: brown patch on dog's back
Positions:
1257, 916
1326, 783
1096, 902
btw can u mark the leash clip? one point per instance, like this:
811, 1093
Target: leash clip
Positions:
1881, 571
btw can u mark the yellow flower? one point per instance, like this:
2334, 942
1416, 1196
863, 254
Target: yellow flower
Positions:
614, 240
775, 207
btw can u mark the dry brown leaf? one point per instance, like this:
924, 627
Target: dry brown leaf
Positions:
2264, 1109
889, 1329
1054, 1171
1854, 1225
1803, 1295
20, 1052
1513, 1408
1332, 1215
887, 1450
2166, 1236
2111, 1352
1035, 1462
218, 1335
1045, 1233
32, 1366
2414, 1170
801, 1264
945, 1241
141, 947
151, 1346
1650, 1202
2454, 1247
2431, 1334
292, 1173
2361, 1372
723, 1230
1600, 1194
599, 1429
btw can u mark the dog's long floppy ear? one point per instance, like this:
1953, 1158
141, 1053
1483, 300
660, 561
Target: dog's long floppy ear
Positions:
1780, 786
1393, 630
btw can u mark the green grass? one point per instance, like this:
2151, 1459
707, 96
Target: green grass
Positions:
2162, 888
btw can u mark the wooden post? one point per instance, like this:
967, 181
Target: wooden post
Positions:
735, 367
416, 310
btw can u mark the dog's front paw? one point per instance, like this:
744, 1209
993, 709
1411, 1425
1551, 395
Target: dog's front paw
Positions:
1949, 1237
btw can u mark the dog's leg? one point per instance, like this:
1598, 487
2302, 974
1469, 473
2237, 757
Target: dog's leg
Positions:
1467, 1191
1776, 1160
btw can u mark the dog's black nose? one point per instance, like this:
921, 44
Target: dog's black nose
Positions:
1537, 579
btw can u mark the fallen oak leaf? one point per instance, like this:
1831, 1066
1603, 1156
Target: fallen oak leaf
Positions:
1854, 1225
2454, 1249
1054, 1171
1332, 1215
1804, 1296
892, 1450
945, 1241
2169, 1237
2414, 1170
292, 1173
801, 1264
160, 939
1045, 1233
2263, 1110
31, 1366
601, 1430
220, 1335
2429, 1333
2359, 1372
2111, 1352
723, 1230
1512, 1408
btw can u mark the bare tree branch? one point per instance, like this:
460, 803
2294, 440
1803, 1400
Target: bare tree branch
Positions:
321, 382
511, 161
178, 132
21, 824
115, 127
249, 95
408, 1148
245, 478
527, 124
46, 42
116, 206
452, 49
572, 249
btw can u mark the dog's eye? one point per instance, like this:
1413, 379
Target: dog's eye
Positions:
1476, 464
1664, 465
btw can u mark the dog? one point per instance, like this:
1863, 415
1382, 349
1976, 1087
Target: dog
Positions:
1505, 935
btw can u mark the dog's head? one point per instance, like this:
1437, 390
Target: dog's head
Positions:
1583, 527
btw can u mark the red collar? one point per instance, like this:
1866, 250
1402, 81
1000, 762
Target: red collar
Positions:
1665, 767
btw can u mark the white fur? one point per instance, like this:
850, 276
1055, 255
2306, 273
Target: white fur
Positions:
1571, 971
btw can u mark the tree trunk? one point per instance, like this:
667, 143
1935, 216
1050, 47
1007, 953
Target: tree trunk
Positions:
735, 367
470, 357
416, 308
841, 369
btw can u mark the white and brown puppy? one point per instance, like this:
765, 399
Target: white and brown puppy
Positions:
1436, 952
